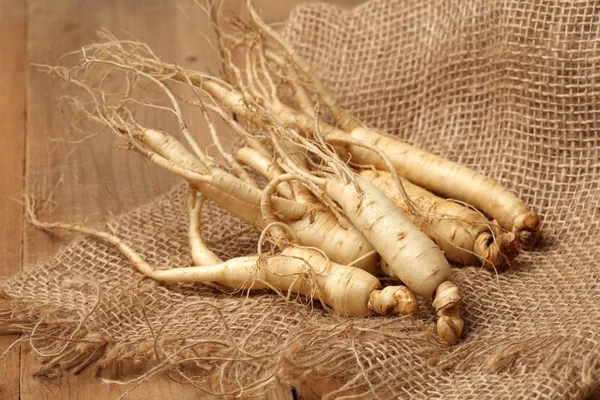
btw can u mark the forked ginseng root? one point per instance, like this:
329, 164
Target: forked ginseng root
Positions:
348, 291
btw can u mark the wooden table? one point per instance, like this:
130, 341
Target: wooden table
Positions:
87, 179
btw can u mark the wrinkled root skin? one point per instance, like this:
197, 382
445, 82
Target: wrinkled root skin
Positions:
450, 325
527, 229
393, 300
447, 304
498, 249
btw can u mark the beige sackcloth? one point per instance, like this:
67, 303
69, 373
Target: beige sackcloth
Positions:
508, 88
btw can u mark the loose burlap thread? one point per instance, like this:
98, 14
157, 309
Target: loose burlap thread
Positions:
507, 88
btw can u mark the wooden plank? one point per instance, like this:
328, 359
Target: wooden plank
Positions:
13, 60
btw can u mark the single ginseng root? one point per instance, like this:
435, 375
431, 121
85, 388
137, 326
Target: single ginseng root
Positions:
346, 290
410, 254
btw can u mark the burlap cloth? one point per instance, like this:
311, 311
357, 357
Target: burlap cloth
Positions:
508, 88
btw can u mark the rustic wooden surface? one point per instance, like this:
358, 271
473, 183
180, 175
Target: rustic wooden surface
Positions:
87, 180
13, 59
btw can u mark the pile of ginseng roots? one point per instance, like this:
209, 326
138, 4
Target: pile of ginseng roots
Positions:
340, 206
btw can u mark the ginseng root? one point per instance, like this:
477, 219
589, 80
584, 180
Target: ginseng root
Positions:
346, 290
464, 235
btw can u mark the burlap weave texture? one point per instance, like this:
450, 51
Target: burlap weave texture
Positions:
508, 88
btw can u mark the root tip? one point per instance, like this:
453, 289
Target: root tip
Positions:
392, 300
496, 251
407, 302
527, 229
449, 329
447, 303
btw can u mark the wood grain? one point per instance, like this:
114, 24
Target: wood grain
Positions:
92, 179
13, 59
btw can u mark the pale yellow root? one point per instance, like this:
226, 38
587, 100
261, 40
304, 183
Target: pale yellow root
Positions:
345, 289
243, 200
267, 168
464, 235
334, 234
451, 180
232, 194
348, 291
409, 253
201, 254
447, 303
